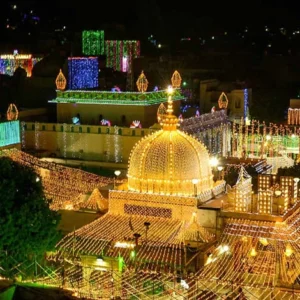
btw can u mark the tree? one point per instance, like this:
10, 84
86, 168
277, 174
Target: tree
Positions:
28, 228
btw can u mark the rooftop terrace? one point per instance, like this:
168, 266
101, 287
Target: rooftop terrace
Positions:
115, 98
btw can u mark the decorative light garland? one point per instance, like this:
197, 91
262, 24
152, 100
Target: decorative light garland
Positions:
265, 141
113, 98
63, 185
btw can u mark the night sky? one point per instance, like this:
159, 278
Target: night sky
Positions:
163, 16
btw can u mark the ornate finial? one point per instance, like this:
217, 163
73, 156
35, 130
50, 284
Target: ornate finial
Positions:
176, 80
170, 101
161, 111
60, 81
169, 121
12, 112
142, 83
223, 101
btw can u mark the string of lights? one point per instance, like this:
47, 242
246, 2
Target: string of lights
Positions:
113, 98
59, 181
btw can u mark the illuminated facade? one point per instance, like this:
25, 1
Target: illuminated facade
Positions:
237, 98
10, 134
168, 162
120, 54
168, 176
112, 106
93, 42
9, 63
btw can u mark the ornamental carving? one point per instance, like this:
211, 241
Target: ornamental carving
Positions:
142, 83
223, 101
60, 81
12, 112
176, 80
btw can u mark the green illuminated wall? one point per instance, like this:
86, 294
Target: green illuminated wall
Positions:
93, 42
9, 133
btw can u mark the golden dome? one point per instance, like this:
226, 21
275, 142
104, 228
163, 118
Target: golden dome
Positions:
170, 162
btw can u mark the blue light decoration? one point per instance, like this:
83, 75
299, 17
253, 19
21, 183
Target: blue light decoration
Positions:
82, 72
10, 133
245, 103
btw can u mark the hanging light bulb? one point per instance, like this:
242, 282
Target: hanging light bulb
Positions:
264, 241
288, 250
253, 252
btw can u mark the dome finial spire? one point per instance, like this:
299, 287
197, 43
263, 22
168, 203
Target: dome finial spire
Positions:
170, 101
169, 121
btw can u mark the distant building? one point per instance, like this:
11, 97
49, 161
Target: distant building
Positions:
10, 62
238, 96
294, 112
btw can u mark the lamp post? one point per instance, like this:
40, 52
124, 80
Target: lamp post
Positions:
117, 173
195, 182
136, 238
136, 247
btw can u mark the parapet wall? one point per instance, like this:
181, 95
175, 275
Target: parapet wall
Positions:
84, 142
